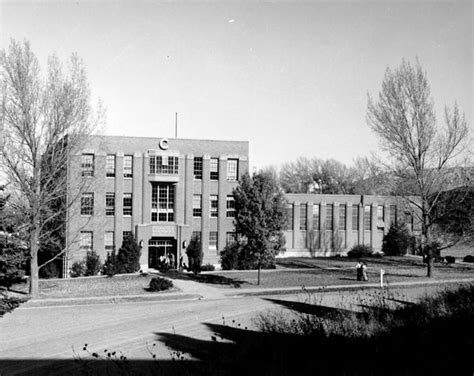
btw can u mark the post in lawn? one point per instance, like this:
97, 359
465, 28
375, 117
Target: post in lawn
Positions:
382, 272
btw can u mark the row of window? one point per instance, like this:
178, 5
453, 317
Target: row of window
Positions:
329, 222
213, 206
232, 169
231, 237
165, 165
162, 204
87, 239
88, 169
87, 203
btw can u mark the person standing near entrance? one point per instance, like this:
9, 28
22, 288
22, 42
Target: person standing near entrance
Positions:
172, 260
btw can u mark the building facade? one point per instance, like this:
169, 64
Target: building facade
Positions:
163, 191
328, 225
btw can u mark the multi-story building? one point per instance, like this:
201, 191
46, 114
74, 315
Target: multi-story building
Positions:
163, 191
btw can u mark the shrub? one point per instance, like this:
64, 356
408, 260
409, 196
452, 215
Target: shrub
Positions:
397, 241
208, 268
50, 270
110, 265
360, 250
450, 259
194, 253
12, 264
160, 284
78, 269
92, 262
229, 256
468, 258
8, 303
236, 256
128, 257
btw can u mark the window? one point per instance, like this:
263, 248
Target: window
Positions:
128, 166
109, 240
213, 240
196, 235
393, 214
162, 203
164, 165
303, 217
197, 205
367, 217
230, 237
316, 221
86, 240
342, 217
198, 168
126, 234
214, 167
110, 166
230, 207
329, 217
87, 164
355, 217
232, 169
213, 205
110, 203
289, 216
380, 217
87, 204
127, 204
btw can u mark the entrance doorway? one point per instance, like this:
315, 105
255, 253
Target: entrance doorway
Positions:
158, 247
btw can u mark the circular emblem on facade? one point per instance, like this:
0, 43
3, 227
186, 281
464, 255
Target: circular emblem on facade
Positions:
164, 144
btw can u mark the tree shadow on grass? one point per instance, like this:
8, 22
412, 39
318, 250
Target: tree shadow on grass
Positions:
212, 279
314, 309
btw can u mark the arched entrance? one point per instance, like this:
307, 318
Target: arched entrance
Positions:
160, 246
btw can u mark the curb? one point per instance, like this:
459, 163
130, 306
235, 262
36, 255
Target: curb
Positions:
38, 303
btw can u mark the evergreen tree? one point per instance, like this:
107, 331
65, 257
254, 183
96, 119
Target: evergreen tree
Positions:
260, 219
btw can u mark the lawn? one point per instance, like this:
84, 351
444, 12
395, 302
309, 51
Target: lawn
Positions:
118, 285
325, 271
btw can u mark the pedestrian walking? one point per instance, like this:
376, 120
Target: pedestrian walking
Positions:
359, 270
364, 272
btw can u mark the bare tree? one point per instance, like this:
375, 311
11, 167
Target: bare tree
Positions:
424, 157
44, 120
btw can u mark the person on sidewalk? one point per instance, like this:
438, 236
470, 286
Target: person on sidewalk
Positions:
359, 270
364, 272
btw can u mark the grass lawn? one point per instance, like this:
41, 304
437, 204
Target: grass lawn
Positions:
118, 285
337, 271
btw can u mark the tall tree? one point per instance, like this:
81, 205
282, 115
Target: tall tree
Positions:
260, 217
423, 155
45, 118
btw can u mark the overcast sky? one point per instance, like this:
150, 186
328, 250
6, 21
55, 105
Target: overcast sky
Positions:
290, 77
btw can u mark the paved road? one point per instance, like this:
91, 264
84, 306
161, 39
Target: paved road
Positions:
44, 334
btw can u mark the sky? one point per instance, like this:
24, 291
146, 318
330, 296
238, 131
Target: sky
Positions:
292, 78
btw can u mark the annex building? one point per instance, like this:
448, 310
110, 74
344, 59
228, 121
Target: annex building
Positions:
165, 191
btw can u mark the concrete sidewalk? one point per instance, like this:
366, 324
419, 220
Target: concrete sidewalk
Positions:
191, 290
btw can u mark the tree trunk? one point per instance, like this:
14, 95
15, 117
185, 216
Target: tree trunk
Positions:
34, 282
430, 264
258, 275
